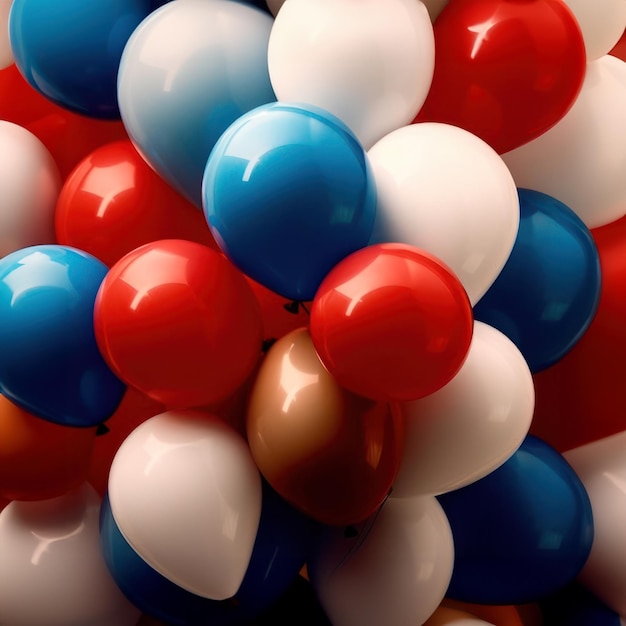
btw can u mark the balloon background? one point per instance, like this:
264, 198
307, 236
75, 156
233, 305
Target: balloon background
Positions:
312, 312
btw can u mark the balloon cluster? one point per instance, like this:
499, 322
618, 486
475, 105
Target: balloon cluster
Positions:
312, 311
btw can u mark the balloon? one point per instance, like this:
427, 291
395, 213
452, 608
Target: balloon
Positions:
175, 320
578, 161
574, 605
443, 189
522, 532
113, 202
503, 615
548, 292
6, 55
188, 71
393, 570
331, 454
288, 192
581, 398
369, 63
200, 537
50, 364
471, 425
70, 52
30, 183
602, 469
134, 409
505, 70
601, 24
38, 459
68, 136
52, 571
392, 323
283, 541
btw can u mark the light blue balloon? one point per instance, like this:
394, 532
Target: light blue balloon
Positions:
70, 50
288, 193
189, 71
50, 364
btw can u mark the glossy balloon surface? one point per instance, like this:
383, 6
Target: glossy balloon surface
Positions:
288, 192
177, 321
391, 322
50, 363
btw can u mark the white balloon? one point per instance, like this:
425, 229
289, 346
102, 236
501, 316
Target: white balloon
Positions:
186, 495
6, 55
395, 572
52, 572
442, 189
471, 426
601, 466
601, 22
582, 159
30, 184
370, 63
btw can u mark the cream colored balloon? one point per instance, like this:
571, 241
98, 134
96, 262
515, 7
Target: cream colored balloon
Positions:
30, 185
52, 572
601, 466
6, 55
186, 495
582, 159
370, 63
601, 22
445, 616
442, 189
471, 426
395, 572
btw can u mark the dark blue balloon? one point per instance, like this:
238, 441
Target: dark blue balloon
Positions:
288, 193
549, 289
70, 50
522, 532
50, 363
577, 606
283, 543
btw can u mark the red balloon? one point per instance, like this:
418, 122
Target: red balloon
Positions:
68, 136
391, 322
40, 459
177, 321
582, 398
506, 70
134, 409
113, 202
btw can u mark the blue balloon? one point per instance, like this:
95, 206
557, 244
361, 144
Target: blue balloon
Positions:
284, 540
288, 193
577, 606
70, 50
50, 363
188, 72
522, 532
549, 289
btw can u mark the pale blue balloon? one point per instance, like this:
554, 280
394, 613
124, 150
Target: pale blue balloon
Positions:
189, 71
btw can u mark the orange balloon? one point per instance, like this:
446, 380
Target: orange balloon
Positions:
40, 459
330, 453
